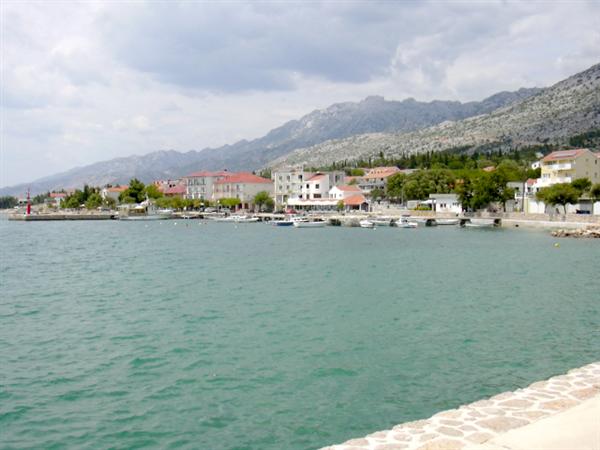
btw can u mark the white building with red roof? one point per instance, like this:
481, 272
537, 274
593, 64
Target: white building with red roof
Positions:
318, 185
244, 186
376, 178
350, 196
288, 183
112, 192
200, 184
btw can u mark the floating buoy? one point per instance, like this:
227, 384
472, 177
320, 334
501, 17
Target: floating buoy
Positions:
175, 223
556, 244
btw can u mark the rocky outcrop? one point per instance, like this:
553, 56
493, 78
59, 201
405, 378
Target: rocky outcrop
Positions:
589, 232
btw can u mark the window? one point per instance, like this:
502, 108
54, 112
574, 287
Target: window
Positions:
317, 196
317, 186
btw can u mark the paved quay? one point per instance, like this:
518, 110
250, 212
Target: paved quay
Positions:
562, 412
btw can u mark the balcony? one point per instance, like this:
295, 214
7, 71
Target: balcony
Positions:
563, 166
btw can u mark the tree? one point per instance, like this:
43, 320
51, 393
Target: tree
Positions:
229, 202
582, 185
377, 194
263, 199
110, 202
8, 202
558, 194
340, 205
135, 191
595, 192
94, 201
153, 192
395, 186
356, 172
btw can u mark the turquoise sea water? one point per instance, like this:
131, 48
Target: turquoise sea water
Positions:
217, 336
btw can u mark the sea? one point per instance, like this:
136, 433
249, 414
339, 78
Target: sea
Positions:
187, 334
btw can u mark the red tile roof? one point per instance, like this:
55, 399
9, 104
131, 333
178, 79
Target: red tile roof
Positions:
175, 190
564, 154
58, 195
117, 189
355, 200
243, 177
531, 181
349, 188
222, 173
316, 176
381, 172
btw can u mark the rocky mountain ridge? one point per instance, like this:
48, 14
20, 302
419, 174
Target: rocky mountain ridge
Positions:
570, 107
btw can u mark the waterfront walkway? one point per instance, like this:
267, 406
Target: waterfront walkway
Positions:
560, 413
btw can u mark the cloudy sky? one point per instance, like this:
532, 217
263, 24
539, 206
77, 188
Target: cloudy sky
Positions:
88, 81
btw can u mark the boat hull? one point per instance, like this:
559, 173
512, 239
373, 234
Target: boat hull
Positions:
309, 224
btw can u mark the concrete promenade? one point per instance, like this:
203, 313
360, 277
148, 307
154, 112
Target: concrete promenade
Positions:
562, 413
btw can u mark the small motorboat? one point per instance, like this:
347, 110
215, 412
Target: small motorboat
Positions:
405, 223
366, 224
447, 221
480, 224
282, 223
245, 219
383, 221
307, 223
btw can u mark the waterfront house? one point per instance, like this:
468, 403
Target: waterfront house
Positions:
112, 192
244, 186
343, 192
56, 198
357, 202
179, 190
200, 184
318, 185
445, 203
288, 184
376, 178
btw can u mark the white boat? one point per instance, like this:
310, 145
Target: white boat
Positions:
480, 224
366, 224
144, 211
383, 221
447, 221
245, 219
307, 223
405, 223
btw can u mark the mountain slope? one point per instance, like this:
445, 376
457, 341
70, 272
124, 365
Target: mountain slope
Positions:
374, 114
570, 107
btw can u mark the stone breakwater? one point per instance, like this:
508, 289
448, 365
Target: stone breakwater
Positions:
590, 232
483, 420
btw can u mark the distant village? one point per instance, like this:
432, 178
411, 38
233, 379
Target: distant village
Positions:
569, 180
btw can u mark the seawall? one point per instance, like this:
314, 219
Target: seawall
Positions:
489, 419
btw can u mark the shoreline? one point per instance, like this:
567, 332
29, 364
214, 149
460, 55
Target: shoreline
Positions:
488, 420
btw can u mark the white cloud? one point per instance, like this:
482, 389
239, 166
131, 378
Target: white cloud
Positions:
87, 81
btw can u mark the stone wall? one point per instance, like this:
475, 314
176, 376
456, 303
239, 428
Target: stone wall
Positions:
483, 420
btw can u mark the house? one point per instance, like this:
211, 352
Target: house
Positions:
288, 184
318, 185
357, 202
244, 186
376, 178
200, 184
445, 203
179, 190
112, 192
56, 198
343, 192
524, 191
565, 166
163, 185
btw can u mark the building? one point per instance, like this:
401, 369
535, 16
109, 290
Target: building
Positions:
319, 184
56, 198
112, 192
163, 185
565, 166
343, 192
243, 186
200, 184
288, 184
376, 178
350, 197
179, 190
445, 203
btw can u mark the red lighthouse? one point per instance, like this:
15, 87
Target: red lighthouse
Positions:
28, 203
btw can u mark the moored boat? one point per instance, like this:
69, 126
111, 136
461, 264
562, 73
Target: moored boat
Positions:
366, 224
447, 221
307, 223
405, 223
143, 211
